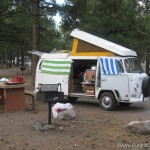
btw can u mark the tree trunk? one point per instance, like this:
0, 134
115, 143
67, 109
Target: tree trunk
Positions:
22, 55
17, 60
3, 57
11, 57
35, 38
147, 62
147, 51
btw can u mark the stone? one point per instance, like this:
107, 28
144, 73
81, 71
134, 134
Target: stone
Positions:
68, 114
38, 125
47, 127
142, 127
61, 129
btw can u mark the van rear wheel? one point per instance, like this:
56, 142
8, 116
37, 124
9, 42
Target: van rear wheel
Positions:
107, 101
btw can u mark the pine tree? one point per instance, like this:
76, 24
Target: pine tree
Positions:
124, 22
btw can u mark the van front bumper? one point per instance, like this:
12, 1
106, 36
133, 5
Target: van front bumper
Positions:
136, 99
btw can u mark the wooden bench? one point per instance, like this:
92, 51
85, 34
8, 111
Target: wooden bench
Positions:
32, 94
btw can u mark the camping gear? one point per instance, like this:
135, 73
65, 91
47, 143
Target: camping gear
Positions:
93, 67
58, 107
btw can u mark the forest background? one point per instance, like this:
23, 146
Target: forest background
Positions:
27, 25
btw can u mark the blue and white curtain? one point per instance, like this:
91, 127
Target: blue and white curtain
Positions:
109, 65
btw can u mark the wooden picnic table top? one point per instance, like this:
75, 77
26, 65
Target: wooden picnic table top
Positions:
11, 86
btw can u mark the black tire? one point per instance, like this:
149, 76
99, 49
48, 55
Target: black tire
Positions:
124, 104
72, 99
107, 101
146, 87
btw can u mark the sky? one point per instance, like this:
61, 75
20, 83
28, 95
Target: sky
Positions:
57, 17
60, 1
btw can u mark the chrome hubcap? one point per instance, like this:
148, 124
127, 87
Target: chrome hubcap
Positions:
106, 101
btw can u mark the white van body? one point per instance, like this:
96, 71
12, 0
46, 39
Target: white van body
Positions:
45, 78
126, 87
123, 87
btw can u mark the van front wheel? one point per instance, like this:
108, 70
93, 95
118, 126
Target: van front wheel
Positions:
107, 101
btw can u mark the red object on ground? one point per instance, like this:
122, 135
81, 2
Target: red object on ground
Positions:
59, 110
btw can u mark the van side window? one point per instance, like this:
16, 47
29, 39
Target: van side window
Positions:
121, 70
40, 65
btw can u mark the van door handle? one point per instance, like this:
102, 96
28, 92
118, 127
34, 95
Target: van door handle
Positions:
104, 79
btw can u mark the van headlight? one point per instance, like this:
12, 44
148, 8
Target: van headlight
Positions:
136, 86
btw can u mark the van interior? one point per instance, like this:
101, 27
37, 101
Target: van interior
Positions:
81, 72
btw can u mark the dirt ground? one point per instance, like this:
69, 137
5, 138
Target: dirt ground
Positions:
93, 128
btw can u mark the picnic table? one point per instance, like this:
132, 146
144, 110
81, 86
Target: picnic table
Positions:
12, 97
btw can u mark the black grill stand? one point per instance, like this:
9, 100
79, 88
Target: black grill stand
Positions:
49, 93
49, 112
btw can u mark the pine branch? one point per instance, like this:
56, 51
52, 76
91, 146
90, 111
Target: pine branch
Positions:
119, 31
134, 26
139, 31
8, 14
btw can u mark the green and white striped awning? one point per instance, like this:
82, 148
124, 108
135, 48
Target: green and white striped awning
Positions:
56, 67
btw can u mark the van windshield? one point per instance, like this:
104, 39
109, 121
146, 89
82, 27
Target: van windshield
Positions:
132, 65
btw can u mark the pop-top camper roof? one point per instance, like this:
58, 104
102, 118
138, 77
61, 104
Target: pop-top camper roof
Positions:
55, 55
86, 44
